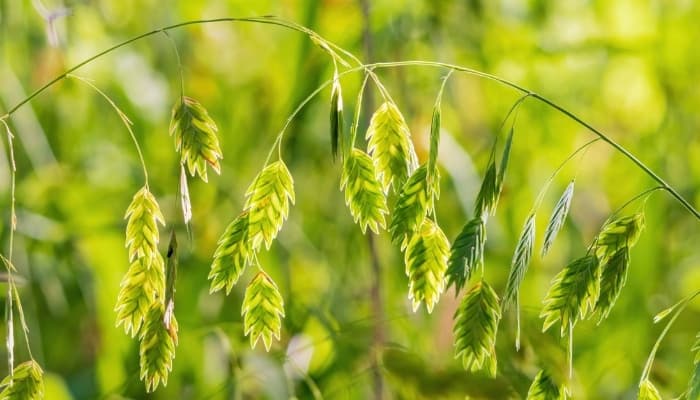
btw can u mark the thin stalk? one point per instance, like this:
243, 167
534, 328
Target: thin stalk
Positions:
358, 111
543, 191
513, 109
127, 122
570, 355
650, 360
9, 310
180, 68
645, 194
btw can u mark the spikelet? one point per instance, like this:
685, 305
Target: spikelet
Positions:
475, 328
613, 278
613, 249
556, 221
363, 193
157, 348
263, 309
232, 255
487, 198
143, 284
411, 207
647, 391
143, 216
389, 144
426, 262
25, 383
573, 293
267, 203
466, 254
618, 233
520, 262
544, 388
195, 137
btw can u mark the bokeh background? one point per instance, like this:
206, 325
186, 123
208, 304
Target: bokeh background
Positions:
629, 67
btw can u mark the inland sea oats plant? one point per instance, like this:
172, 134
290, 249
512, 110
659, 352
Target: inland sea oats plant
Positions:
387, 187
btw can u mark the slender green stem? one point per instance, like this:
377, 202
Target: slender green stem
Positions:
358, 110
127, 122
513, 109
180, 68
10, 341
545, 187
278, 22
682, 305
645, 194
570, 354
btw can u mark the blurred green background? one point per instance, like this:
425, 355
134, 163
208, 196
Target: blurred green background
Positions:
629, 67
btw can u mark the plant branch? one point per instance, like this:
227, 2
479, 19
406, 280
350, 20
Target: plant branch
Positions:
290, 25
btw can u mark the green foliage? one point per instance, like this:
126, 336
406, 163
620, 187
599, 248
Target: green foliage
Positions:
426, 262
267, 203
556, 221
25, 383
696, 349
263, 309
520, 262
336, 116
618, 233
233, 254
467, 253
487, 198
647, 391
573, 293
143, 216
65, 220
363, 192
143, 284
613, 278
195, 137
411, 207
694, 384
545, 388
475, 328
389, 144
157, 349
